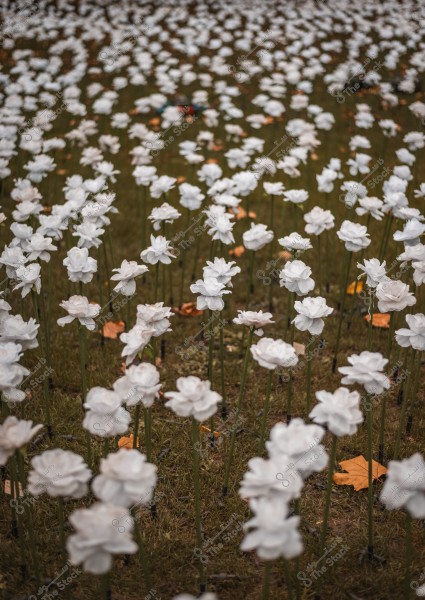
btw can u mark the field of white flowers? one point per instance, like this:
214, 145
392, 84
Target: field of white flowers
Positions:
211, 300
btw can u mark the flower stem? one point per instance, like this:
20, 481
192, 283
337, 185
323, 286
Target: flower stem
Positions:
83, 366
266, 581
328, 495
341, 309
238, 410
61, 527
195, 446
406, 396
408, 555
309, 358
369, 419
148, 440
33, 549
265, 412
136, 425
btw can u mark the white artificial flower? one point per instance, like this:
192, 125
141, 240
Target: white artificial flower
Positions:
295, 276
271, 354
310, 314
59, 473
78, 307
339, 411
193, 398
367, 369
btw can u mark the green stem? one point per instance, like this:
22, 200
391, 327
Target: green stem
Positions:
199, 541
309, 358
341, 309
328, 495
61, 528
238, 410
83, 367
148, 440
369, 419
33, 549
406, 395
143, 553
266, 581
136, 425
408, 556
265, 411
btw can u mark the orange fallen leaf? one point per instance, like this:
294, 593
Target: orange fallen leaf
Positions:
357, 472
299, 348
241, 214
285, 255
217, 148
111, 329
181, 179
379, 320
212, 161
47, 209
61, 171
205, 429
188, 309
126, 441
133, 111
237, 251
314, 156
155, 121
355, 285
8, 490
268, 120
123, 367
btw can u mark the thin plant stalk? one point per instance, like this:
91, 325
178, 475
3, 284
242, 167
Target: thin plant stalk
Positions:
222, 374
43, 349
384, 398
265, 592
250, 277
61, 527
406, 396
265, 411
408, 555
409, 423
238, 410
328, 495
83, 369
136, 425
15, 493
33, 549
199, 541
341, 309
147, 414
319, 268
142, 550
309, 359
211, 367
369, 420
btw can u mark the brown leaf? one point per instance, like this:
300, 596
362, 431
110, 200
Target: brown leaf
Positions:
237, 251
379, 320
299, 348
355, 285
188, 309
357, 472
111, 329
126, 441
181, 179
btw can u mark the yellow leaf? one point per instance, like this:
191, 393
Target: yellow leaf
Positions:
126, 441
379, 320
205, 429
111, 329
357, 472
355, 285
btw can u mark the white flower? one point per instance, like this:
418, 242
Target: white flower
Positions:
354, 235
162, 185
59, 473
339, 411
411, 233
221, 270
273, 189
353, 191
210, 292
405, 486
415, 336
301, 443
370, 206
273, 534
135, 341
190, 196
295, 276
209, 173
80, 266
367, 369
163, 214
318, 220
39, 247
145, 175
294, 242
271, 354
139, 384
154, 316
125, 479
13, 328
87, 234
12, 258
28, 277
263, 479
78, 307
126, 275
15, 434
105, 416
160, 250
310, 314
295, 196
251, 318
101, 531
374, 270
193, 398
393, 295
257, 237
